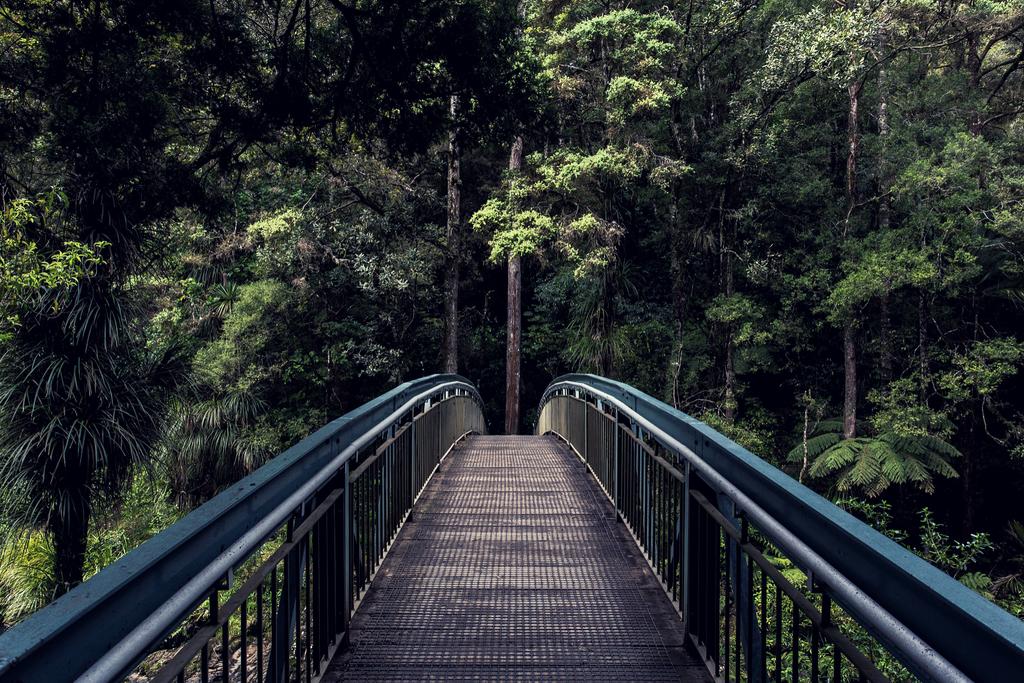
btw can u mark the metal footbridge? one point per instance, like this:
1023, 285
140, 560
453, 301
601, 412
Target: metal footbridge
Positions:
624, 541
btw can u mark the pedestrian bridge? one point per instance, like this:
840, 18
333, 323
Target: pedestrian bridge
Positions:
624, 541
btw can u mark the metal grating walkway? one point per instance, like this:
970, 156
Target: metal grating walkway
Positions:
512, 567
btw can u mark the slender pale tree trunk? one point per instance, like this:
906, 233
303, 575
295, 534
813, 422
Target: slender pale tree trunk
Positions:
725, 281
850, 382
849, 336
807, 433
922, 328
884, 212
678, 265
454, 238
513, 348
730, 348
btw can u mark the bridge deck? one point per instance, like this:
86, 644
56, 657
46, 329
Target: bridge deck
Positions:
512, 567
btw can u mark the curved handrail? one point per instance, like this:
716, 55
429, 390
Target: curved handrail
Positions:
937, 626
129, 606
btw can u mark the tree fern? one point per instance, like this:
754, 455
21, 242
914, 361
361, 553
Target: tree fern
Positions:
871, 464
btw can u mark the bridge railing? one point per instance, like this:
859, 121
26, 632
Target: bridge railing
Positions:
773, 581
260, 582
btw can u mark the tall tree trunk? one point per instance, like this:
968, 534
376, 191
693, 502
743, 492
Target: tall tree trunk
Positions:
922, 330
849, 338
730, 364
70, 532
454, 235
807, 433
852, 152
605, 326
513, 348
725, 283
884, 211
850, 382
678, 266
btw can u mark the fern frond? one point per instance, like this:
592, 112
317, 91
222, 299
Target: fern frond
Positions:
815, 446
868, 467
940, 466
834, 458
832, 424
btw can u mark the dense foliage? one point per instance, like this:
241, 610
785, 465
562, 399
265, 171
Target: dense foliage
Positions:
225, 223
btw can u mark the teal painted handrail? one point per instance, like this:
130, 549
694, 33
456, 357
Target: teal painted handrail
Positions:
934, 624
104, 616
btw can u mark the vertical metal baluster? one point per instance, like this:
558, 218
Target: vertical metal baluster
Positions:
225, 649
826, 621
615, 488
364, 525
243, 662
652, 513
645, 503
668, 523
309, 610
412, 458
655, 509
796, 644
298, 613
635, 519
346, 553
357, 540
814, 652
764, 625
259, 631
705, 613
375, 485
778, 634
214, 618
205, 652
627, 483
338, 543
274, 625
736, 587
715, 546
659, 521
320, 588
697, 592
749, 645
728, 603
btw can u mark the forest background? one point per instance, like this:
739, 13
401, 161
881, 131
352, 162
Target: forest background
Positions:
225, 223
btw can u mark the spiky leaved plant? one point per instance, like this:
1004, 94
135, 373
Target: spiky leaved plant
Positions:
874, 463
82, 404
211, 443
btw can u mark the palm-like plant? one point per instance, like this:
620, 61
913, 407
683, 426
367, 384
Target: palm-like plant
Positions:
82, 405
874, 463
596, 342
212, 443
223, 297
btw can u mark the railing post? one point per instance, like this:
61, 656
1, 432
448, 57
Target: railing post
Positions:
346, 555
412, 459
286, 619
615, 467
684, 560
